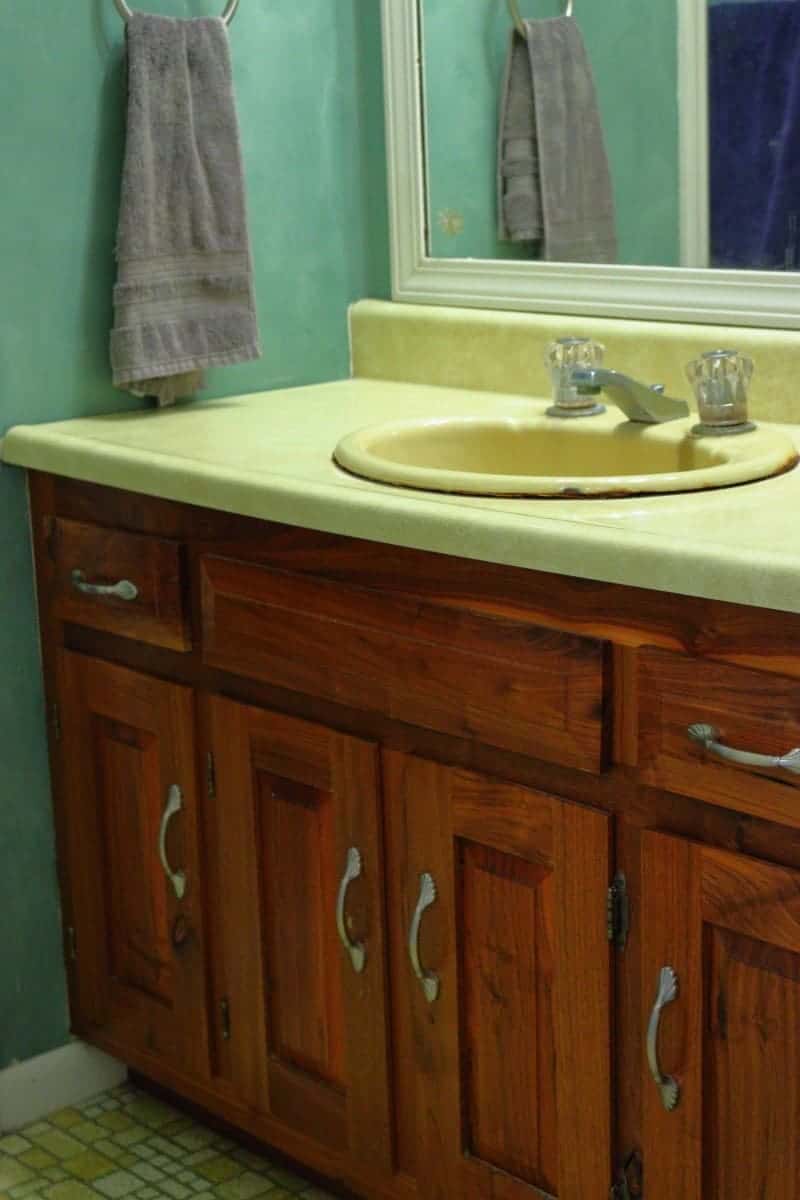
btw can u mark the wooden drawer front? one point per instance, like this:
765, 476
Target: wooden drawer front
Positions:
502, 682
106, 557
752, 711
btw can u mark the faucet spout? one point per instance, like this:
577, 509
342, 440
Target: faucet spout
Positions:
639, 402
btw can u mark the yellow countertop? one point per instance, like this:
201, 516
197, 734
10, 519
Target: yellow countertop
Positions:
268, 455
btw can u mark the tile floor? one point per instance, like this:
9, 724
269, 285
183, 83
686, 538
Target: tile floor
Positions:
125, 1145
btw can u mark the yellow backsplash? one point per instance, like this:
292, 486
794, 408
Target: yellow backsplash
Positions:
498, 351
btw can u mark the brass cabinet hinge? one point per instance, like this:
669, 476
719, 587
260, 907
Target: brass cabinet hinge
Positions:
618, 912
55, 721
211, 776
629, 1180
72, 943
225, 1018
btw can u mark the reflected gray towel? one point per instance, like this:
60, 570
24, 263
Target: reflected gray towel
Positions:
519, 198
184, 297
568, 171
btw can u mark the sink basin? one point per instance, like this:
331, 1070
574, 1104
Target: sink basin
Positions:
600, 456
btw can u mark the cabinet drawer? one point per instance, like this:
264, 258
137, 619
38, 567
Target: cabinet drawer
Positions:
748, 711
149, 605
496, 680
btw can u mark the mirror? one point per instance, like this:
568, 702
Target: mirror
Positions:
634, 160
588, 70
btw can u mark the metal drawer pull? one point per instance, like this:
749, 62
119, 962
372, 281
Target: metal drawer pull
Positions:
356, 950
124, 590
174, 806
428, 979
706, 736
668, 1086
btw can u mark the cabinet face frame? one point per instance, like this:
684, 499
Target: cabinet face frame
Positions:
632, 619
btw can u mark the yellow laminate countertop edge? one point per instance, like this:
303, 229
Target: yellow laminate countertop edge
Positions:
268, 455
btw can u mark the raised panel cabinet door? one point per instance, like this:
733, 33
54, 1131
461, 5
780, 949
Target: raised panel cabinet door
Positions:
300, 958
726, 1044
132, 863
501, 981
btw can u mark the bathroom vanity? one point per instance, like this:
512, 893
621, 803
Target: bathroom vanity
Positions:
415, 866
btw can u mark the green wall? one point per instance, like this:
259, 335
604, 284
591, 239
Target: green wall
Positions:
632, 45
311, 106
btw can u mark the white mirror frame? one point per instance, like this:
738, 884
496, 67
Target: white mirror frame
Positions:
762, 298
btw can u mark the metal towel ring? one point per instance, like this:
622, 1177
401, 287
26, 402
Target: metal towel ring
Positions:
230, 10
519, 24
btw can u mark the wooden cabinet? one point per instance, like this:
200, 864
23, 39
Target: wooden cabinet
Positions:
132, 859
338, 824
753, 712
728, 926
501, 986
500, 681
130, 584
296, 814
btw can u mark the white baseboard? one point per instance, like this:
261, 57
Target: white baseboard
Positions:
73, 1073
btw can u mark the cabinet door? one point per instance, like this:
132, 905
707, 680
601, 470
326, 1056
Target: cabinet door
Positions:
127, 751
729, 927
296, 836
502, 1049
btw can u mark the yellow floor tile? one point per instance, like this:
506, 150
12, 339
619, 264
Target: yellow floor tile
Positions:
90, 1165
12, 1173
37, 1158
126, 1145
70, 1191
88, 1132
13, 1144
59, 1144
246, 1187
65, 1117
219, 1169
115, 1121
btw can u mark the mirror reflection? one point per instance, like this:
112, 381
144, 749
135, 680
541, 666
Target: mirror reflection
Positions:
580, 132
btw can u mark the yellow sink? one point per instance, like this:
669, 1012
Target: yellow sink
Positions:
600, 456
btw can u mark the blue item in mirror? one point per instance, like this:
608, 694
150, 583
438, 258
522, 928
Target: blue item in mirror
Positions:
754, 93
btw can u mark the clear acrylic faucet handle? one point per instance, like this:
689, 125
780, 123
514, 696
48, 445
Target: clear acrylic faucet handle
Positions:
720, 379
560, 358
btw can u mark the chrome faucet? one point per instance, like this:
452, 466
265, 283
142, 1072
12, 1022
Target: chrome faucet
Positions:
639, 402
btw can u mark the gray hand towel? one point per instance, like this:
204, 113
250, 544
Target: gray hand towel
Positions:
569, 170
184, 297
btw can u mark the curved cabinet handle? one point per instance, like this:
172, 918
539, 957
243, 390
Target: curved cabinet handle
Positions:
706, 736
174, 806
428, 979
356, 950
124, 590
668, 1086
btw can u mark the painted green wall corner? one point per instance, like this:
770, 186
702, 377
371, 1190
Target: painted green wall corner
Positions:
309, 89
633, 49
